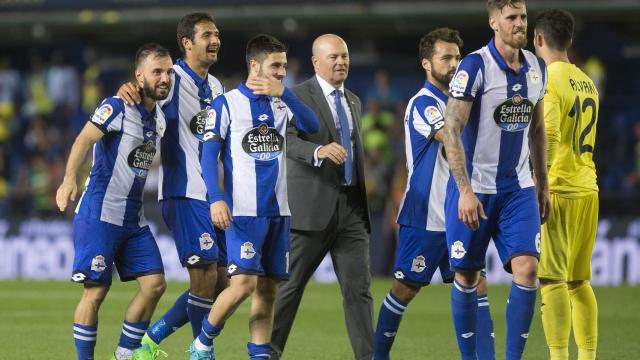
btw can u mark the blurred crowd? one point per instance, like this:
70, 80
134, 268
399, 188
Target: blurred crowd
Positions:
44, 103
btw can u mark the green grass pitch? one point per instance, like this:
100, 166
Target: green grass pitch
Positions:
36, 320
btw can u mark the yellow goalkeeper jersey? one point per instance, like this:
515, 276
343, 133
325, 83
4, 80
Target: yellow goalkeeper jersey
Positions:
570, 115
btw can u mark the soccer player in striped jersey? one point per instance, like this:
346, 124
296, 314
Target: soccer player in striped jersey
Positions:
109, 225
182, 192
494, 121
570, 115
248, 131
422, 247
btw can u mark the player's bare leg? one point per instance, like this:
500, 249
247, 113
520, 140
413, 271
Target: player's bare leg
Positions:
87, 310
261, 316
85, 319
240, 288
138, 314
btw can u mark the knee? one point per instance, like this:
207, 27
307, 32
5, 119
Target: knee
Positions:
404, 292
154, 289
203, 280
243, 290
468, 279
94, 296
525, 269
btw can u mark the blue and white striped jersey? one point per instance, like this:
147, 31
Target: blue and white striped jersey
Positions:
121, 161
423, 203
496, 138
186, 109
253, 130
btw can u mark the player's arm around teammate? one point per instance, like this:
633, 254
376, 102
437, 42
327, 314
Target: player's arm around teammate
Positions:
107, 226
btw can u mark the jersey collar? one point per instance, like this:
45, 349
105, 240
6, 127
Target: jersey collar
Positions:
437, 92
503, 64
249, 93
201, 83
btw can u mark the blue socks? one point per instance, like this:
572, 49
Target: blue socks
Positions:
84, 337
172, 320
485, 349
197, 309
208, 332
259, 352
388, 323
520, 307
132, 333
464, 309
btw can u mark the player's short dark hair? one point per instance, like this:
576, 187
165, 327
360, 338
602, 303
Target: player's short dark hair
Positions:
187, 27
149, 49
261, 46
428, 42
557, 28
500, 4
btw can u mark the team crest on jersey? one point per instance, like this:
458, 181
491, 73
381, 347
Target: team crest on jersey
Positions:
247, 251
418, 265
98, 264
457, 250
263, 143
459, 83
533, 75
202, 121
141, 157
537, 240
206, 242
514, 114
432, 114
103, 113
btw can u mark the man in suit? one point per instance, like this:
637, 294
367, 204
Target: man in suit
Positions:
329, 211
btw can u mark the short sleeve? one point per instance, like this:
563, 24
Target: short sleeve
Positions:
426, 116
468, 78
217, 123
108, 116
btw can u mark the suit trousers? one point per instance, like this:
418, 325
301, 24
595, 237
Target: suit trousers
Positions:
347, 240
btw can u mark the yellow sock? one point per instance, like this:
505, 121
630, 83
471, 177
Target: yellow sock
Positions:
556, 319
585, 320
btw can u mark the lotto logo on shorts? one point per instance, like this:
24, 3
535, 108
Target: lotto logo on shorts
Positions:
538, 243
457, 250
206, 242
247, 251
98, 264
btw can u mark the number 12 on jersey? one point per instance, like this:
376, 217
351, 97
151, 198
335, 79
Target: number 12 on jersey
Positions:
583, 142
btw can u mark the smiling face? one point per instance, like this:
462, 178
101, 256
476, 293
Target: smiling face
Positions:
331, 59
154, 75
205, 44
510, 24
275, 65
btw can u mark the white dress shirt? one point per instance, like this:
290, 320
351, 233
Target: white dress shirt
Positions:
327, 90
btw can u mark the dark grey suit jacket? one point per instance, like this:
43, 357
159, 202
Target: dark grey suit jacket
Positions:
313, 191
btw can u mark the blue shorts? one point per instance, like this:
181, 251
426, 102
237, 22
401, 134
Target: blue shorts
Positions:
198, 242
420, 253
513, 221
259, 245
98, 245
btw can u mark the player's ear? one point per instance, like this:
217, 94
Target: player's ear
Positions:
426, 65
139, 76
186, 43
